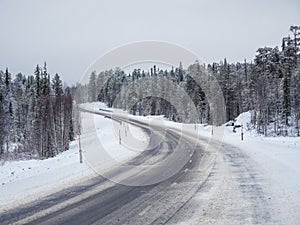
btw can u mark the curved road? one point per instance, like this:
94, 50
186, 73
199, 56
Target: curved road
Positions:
217, 184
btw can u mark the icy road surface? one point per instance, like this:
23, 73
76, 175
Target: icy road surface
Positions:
219, 184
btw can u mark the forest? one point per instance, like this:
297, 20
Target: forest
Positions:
268, 86
35, 115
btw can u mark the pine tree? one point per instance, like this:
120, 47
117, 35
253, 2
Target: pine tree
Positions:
92, 96
68, 134
7, 109
58, 111
295, 79
288, 62
20, 112
2, 119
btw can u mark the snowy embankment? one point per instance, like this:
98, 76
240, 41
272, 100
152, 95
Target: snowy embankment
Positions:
278, 157
25, 181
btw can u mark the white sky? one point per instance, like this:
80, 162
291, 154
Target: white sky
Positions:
71, 34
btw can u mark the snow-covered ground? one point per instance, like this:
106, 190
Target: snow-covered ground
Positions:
279, 157
24, 181
21, 181
276, 161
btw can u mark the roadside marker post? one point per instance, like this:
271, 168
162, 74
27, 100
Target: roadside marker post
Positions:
79, 146
242, 133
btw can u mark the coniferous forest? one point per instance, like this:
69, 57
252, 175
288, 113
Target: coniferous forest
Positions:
268, 86
36, 111
35, 115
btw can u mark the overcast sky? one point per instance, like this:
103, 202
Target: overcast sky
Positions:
71, 34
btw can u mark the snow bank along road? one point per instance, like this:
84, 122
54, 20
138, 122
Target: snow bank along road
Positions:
216, 184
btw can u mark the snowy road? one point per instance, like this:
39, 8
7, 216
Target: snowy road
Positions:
219, 184
106, 198
237, 192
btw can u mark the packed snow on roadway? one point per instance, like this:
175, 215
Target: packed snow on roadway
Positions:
278, 156
276, 159
23, 181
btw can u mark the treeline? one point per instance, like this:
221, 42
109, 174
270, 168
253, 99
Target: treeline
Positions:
141, 93
269, 87
35, 115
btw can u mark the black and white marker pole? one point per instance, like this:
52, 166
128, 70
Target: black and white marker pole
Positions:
79, 146
242, 133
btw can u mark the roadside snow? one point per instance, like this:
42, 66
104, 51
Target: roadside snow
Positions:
276, 160
26, 181
279, 157
23, 181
